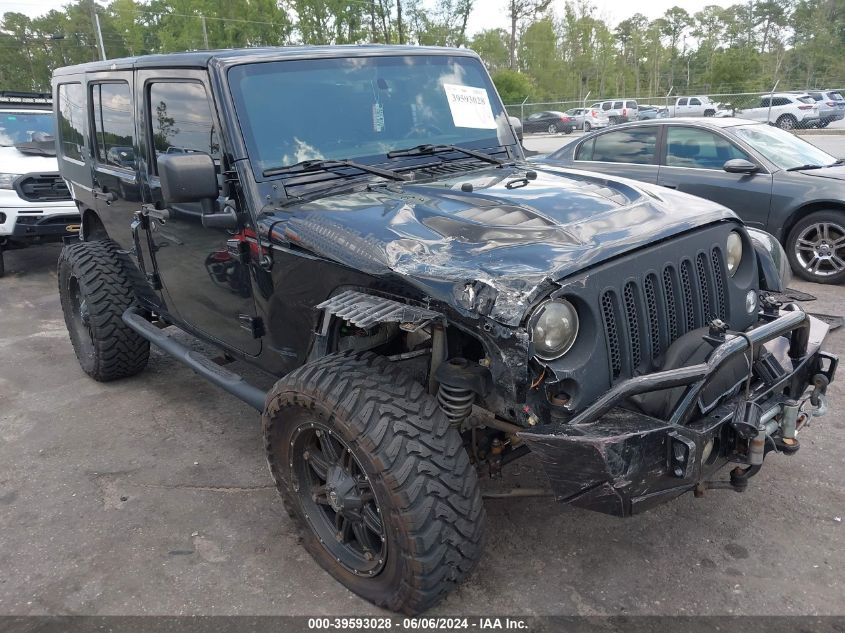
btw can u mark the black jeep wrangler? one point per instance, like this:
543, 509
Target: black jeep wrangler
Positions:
361, 223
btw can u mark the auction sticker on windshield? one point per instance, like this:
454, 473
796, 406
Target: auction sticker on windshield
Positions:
470, 107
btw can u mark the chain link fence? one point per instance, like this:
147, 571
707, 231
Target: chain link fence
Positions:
758, 106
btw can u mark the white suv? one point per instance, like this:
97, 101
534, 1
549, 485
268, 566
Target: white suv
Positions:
35, 204
787, 111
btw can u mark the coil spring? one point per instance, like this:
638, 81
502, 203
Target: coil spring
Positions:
455, 402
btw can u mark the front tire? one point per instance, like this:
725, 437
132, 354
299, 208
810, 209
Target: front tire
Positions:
376, 479
95, 291
816, 247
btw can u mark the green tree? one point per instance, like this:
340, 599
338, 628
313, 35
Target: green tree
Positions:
513, 86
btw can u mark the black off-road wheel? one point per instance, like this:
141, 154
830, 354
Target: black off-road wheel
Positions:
377, 481
95, 291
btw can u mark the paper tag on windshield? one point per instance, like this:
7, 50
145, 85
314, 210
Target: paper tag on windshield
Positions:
378, 117
470, 107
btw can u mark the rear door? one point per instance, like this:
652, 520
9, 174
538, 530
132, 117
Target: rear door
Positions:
630, 152
116, 191
205, 272
693, 160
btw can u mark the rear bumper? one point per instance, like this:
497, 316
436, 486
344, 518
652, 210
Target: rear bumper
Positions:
619, 461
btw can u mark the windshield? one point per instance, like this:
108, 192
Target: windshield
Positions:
19, 127
782, 148
360, 108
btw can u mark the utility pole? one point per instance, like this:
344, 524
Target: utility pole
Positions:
99, 34
204, 33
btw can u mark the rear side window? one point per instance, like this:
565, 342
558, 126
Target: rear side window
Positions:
633, 146
694, 101
113, 124
806, 100
836, 96
606, 105
617, 105
180, 120
71, 115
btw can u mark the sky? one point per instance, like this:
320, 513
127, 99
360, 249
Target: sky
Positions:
486, 14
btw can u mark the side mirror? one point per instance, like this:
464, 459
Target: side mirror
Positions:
187, 178
740, 166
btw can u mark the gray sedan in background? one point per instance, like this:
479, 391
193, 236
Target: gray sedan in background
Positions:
772, 179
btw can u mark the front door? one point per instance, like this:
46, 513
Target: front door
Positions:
204, 272
693, 163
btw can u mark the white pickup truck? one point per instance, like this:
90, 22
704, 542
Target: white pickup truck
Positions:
693, 106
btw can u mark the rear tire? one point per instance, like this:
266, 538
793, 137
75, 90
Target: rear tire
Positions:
786, 122
2, 264
359, 413
587, 127
552, 129
815, 247
95, 291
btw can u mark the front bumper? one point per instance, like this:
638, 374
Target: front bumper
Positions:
53, 227
614, 459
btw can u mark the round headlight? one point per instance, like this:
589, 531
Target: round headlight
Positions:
555, 326
733, 252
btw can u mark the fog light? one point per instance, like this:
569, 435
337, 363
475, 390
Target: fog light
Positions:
751, 301
706, 450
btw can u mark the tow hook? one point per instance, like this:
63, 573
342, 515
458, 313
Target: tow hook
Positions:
818, 398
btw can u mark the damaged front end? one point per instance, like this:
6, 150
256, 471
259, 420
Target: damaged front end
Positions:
615, 458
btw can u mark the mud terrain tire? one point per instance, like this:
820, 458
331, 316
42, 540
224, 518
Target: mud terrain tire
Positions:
403, 451
95, 290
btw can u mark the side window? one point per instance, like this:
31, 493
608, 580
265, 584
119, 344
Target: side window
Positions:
694, 147
113, 124
635, 146
764, 102
780, 101
71, 111
606, 105
694, 101
617, 105
585, 152
682, 102
180, 120
631, 104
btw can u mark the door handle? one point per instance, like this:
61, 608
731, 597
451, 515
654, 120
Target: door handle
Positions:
107, 196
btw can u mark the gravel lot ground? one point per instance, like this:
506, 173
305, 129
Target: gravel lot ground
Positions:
151, 496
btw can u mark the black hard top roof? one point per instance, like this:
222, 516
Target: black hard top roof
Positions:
202, 59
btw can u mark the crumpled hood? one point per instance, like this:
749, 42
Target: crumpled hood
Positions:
13, 161
508, 231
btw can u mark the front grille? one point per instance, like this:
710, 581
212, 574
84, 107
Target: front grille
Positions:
647, 314
42, 188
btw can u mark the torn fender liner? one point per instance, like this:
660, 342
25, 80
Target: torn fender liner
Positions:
365, 310
608, 464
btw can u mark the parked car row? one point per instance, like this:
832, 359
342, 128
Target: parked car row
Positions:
786, 110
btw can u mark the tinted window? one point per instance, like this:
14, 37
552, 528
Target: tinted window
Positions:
764, 102
693, 147
71, 120
806, 100
113, 124
631, 104
780, 101
617, 105
694, 101
624, 146
682, 102
836, 96
23, 127
181, 120
606, 105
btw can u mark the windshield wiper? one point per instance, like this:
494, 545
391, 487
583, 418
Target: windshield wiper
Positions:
430, 150
307, 166
803, 167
